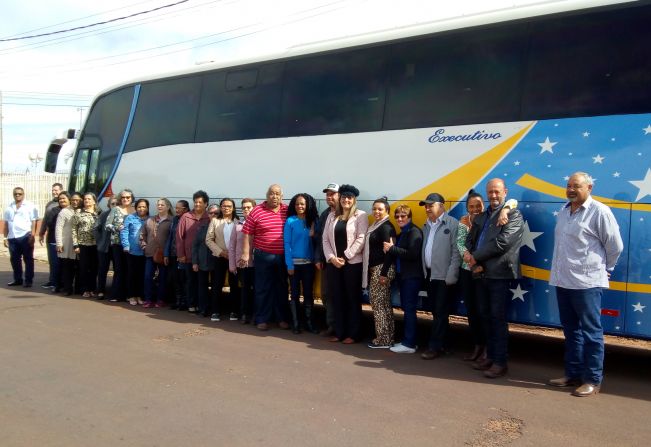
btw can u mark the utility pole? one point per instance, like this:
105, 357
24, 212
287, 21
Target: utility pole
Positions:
1, 146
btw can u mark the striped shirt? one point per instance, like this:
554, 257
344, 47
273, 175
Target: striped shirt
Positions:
266, 226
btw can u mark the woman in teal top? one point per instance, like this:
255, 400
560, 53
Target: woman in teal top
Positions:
298, 237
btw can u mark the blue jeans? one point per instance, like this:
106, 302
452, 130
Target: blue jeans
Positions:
270, 287
409, 289
493, 296
303, 274
21, 250
580, 312
439, 295
150, 270
53, 260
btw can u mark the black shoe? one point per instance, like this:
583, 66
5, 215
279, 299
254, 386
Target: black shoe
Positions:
15, 283
27, 284
47, 285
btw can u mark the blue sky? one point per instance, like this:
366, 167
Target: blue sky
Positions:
66, 70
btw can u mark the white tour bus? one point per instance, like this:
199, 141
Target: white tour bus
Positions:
529, 94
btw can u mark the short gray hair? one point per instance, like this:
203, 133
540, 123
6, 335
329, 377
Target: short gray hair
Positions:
587, 177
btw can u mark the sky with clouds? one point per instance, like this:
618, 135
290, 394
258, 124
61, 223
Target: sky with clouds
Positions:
47, 83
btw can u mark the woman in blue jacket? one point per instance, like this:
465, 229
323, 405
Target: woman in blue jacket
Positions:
130, 240
298, 237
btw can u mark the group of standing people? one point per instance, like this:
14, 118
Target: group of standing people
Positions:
194, 251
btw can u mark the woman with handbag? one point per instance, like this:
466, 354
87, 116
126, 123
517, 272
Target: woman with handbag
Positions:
153, 236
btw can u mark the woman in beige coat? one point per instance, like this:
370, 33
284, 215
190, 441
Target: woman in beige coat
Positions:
217, 240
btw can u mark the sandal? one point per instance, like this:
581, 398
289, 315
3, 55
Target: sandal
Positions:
133, 301
86, 295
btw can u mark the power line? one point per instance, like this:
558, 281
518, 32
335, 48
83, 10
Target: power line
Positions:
84, 34
76, 20
44, 105
303, 15
33, 36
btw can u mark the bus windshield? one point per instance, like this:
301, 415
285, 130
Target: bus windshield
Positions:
101, 142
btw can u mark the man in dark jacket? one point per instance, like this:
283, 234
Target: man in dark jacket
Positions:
494, 255
332, 197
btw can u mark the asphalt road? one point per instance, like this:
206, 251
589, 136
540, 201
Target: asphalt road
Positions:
77, 372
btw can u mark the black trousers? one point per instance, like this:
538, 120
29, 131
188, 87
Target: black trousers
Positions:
119, 285
222, 303
136, 275
88, 268
345, 288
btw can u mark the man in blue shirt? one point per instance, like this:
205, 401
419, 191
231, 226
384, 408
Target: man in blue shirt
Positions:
587, 245
20, 226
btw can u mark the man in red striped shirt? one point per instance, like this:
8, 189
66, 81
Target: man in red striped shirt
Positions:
265, 225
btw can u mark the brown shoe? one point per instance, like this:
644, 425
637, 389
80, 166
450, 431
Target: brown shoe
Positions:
495, 371
430, 355
283, 325
482, 365
263, 327
587, 389
564, 382
348, 341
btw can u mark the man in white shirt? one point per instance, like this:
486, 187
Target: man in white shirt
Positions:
20, 219
587, 245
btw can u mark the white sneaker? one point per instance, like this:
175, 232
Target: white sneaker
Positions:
214, 317
402, 349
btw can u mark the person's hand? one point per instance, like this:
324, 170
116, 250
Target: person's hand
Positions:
290, 272
244, 260
77, 250
384, 280
166, 260
181, 259
40, 240
338, 262
503, 218
318, 265
195, 267
388, 245
59, 248
224, 254
6, 242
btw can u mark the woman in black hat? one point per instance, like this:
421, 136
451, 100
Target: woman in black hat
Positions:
343, 245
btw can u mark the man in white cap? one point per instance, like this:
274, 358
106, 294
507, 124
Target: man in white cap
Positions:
331, 197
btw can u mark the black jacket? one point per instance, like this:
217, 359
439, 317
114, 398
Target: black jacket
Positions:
499, 253
408, 250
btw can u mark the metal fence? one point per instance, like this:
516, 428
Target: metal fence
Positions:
38, 188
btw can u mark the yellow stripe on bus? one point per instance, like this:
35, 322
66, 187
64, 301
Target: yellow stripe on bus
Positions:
543, 275
530, 182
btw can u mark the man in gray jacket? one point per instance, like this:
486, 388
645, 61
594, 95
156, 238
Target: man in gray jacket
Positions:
494, 256
441, 261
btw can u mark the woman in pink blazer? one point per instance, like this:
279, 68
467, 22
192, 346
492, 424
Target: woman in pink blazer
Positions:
343, 245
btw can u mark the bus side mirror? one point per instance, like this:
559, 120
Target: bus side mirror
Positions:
52, 155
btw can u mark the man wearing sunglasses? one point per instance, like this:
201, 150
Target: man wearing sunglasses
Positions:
20, 218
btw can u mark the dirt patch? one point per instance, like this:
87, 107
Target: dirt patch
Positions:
499, 431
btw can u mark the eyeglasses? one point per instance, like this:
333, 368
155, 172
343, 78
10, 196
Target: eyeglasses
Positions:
125, 197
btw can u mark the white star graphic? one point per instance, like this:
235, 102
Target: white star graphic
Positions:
546, 146
555, 213
518, 293
516, 163
528, 236
598, 159
616, 174
647, 130
566, 178
570, 154
644, 185
638, 307
586, 134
